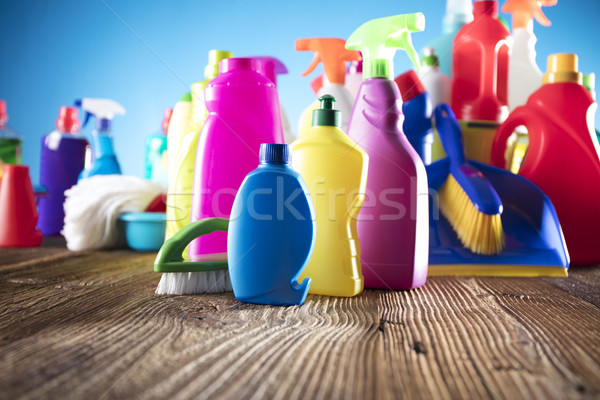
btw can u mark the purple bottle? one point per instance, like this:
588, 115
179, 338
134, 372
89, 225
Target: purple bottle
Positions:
393, 224
63, 158
243, 112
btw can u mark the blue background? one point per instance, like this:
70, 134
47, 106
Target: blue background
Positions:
146, 54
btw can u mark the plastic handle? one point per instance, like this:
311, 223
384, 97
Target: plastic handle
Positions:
452, 139
169, 257
478, 188
517, 118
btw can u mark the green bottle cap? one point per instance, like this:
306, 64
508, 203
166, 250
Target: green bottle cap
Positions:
214, 58
187, 96
429, 57
589, 81
325, 115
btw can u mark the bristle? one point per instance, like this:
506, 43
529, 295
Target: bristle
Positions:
478, 232
194, 282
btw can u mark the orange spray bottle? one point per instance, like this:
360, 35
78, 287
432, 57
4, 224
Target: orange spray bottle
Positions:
333, 54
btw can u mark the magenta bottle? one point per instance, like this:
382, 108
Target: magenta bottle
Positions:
393, 225
243, 112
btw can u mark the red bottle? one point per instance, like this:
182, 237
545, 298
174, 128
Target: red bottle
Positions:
18, 213
480, 66
563, 155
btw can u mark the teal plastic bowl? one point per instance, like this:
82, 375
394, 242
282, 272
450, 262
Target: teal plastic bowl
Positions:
144, 231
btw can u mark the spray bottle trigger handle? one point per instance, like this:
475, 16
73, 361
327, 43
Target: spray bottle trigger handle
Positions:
404, 41
87, 118
316, 60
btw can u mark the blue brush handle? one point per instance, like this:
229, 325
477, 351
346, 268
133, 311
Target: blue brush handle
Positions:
480, 191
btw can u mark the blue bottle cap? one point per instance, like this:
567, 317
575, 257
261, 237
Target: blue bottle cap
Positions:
273, 153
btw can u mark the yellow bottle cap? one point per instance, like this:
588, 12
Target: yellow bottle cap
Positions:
562, 67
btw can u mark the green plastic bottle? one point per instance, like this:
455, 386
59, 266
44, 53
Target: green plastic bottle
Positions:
10, 141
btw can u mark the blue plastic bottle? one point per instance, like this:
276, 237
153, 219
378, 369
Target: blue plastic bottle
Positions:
105, 160
271, 232
417, 111
63, 157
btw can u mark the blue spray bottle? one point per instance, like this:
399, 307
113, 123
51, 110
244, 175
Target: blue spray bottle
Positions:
104, 157
272, 232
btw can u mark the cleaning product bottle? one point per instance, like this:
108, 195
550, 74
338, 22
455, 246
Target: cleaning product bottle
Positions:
181, 170
332, 164
354, 78
417, 111
243, 112
439, 87
156, 169
589, 82
333, 55
479, 79
393, 230
179, 125
10, 140
271, 233
18, 212
271, 67
563, 157
458, 13
105, 160
63, 159
524, 75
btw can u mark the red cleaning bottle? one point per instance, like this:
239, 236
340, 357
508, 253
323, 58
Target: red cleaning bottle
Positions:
18, 212
480, 66
480, 79
563, 157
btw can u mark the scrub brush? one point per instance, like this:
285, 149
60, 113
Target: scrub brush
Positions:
185, 277
467, 199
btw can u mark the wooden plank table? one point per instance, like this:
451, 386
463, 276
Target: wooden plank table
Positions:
89, 326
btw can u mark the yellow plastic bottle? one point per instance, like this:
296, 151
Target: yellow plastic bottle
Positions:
181, 170
335, 171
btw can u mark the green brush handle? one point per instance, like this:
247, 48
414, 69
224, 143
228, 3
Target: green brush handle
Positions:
169, 257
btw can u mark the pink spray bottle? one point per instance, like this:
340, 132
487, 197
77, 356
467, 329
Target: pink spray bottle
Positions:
393, 225
243, 112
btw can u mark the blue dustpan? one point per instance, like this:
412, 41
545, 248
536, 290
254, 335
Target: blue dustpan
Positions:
534, 243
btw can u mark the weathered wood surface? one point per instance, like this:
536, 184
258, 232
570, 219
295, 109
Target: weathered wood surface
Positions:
88, 326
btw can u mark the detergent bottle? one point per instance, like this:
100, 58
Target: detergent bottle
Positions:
335, 170
181, 172
156, 160
63, 159
563, 155
393, 223
333, 55
105, 160
243, 112
417, 111
479, 79
271, 233
10, 140
458, 14
271, 67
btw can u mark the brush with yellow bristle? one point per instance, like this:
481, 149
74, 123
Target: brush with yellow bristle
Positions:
467, 199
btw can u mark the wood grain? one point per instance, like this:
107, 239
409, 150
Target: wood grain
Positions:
88, 325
